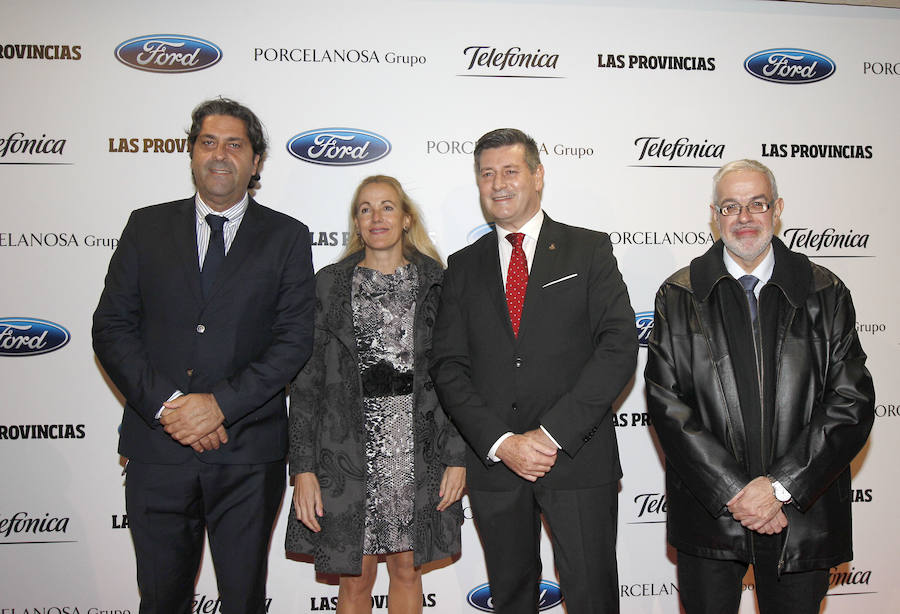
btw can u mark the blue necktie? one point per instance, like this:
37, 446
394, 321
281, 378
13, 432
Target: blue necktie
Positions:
749, 283
215, 252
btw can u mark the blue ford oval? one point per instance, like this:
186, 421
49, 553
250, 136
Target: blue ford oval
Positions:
30, 336
644, 322
338, 146
789, 66
549, 596
478, 232
168, 53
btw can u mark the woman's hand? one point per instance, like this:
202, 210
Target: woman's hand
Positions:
308, 500
452, 485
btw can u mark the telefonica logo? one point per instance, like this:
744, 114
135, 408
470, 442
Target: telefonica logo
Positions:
29, 336
789, 66
519, 62
549, 596
168, 53
338, 146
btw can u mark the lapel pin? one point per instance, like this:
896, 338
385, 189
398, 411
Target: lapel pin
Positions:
552, 247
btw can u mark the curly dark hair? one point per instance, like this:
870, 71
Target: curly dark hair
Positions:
226, 106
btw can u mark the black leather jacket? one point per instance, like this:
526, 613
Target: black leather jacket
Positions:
824, 409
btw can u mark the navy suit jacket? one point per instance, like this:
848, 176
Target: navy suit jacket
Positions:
576, 350
154, 333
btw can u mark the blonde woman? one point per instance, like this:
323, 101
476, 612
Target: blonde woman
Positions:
378, 468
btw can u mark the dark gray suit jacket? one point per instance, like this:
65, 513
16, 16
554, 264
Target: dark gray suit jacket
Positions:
576, 350
154, 333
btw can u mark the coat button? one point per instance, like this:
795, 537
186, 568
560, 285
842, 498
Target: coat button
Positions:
429, 321
518, 361
429, 386
515, 407
189, 372
201, 329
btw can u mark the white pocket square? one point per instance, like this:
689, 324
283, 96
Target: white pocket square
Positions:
556, 281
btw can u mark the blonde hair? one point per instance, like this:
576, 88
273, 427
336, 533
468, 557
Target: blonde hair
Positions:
415, 239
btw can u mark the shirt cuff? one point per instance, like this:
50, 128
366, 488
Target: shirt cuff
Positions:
547, 433
492, 453
175, 395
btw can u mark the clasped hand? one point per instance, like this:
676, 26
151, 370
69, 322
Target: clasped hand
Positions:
530, 455
195, 420
757, 509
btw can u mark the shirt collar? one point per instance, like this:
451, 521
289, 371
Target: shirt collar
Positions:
531, 228
233, 213
763, 271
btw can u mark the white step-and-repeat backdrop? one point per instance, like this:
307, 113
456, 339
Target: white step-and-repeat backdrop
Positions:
634, 105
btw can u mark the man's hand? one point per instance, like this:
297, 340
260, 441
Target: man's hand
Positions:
755, 505
308, 500
212, 441
527, 456
452, 484
195, 417
776, 525
538, 435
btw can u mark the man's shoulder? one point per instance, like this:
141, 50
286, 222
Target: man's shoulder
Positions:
576, 236
277, 217
680, 279
474, 251
162, 210
825, 279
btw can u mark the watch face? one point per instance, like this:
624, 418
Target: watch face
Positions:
780, 492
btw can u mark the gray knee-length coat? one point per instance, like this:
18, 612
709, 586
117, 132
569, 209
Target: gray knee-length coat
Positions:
327, 430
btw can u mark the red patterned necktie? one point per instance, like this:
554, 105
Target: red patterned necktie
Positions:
516, 280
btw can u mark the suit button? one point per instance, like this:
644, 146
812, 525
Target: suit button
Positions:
189, 372
429, 386
515, 407
518, 361
201, 329
429, 321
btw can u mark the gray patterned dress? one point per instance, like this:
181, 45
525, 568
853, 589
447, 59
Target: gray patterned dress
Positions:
384, 308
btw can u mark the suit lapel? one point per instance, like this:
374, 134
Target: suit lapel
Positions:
545, 268
184, 235
492, 279
243, 245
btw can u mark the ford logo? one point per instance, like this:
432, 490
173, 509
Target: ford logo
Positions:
478, 232
338, 146
168, 53
549, 596
789, 66
644, 322
30, 336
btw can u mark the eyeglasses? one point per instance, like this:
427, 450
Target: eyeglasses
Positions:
757, 206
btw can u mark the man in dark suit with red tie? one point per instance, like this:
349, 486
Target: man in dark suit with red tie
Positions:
534, 340
206, 315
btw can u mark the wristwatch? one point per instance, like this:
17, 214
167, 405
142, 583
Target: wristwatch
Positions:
781, 492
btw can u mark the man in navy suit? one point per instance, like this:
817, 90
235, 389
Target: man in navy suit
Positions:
534, 340
206, 315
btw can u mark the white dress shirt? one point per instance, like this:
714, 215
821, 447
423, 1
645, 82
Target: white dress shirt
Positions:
532, 230
763, 271
234, 215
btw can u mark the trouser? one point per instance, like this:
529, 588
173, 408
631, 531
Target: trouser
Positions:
583, 533
712, 586
169, 509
